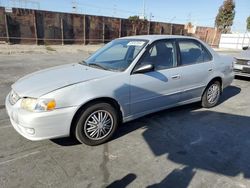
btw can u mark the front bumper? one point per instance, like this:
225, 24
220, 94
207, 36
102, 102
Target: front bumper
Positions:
242, 70
40, 125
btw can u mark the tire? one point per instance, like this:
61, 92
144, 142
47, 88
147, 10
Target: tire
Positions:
96, 124
210, 99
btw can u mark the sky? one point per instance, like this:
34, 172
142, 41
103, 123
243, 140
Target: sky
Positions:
199, 12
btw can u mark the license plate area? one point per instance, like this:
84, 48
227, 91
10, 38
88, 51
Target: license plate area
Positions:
246, 70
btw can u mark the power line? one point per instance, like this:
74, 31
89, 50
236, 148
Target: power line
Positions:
34, 4
101, 7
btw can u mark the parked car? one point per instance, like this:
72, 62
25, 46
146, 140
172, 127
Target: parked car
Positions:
242, 63
128, 78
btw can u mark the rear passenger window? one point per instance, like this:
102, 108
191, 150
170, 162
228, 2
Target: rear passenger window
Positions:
193, 52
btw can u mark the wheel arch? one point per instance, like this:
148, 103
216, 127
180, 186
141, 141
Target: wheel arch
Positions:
108, 100
217, 78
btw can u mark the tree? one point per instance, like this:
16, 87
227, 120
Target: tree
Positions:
137, 22
248, 23
225, 16
134, 18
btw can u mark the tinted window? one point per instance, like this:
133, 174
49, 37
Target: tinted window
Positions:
161, 55
193, 52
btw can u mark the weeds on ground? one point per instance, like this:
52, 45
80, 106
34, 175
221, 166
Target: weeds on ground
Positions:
48, 48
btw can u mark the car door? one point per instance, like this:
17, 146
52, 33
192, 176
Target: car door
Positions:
158, 88
195, 67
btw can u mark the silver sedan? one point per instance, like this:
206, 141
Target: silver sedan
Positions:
242, 63
126, 79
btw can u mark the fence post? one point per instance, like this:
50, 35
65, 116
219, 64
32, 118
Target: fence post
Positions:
161, 30
215, 33
149, 26
206, 35
84, 30
62, 31
35, 26
103, 30
171, 29
120, 28
7, 29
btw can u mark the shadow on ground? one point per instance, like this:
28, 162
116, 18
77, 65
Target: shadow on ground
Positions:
124, 182
208, 140
178, 178
67, 141
196, 138
242, 78
228, 93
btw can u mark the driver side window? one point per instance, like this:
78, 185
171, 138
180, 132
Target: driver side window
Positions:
161, 55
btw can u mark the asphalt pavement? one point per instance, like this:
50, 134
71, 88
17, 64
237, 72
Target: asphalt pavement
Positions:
188, 146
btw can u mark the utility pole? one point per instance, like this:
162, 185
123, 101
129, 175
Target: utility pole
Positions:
143, 9
143, 16
149, 23
151, 16
74, 6
114, 10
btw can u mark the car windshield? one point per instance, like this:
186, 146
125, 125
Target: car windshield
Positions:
116, 55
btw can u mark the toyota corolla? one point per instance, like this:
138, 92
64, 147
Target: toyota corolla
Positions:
128, 78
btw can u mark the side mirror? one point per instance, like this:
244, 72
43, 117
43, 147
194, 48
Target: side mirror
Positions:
245, 48
144, 68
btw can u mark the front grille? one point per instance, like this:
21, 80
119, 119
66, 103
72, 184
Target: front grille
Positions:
13, 97
241, 61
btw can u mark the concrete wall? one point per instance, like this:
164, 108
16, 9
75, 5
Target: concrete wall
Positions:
234, 41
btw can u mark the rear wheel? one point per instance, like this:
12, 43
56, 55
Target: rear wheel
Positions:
211, 95
96, 124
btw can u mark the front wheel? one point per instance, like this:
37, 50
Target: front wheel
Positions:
211, 95
96, 124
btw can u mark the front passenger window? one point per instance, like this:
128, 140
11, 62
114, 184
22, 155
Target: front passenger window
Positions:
161, 55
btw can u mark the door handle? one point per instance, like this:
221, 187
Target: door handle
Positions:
175, 77
210, 70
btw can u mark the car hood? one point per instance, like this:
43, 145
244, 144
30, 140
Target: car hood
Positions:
245, 55
47, 80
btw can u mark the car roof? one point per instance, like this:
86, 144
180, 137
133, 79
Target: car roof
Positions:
152, 38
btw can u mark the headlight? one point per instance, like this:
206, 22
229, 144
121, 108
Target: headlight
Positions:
38, 105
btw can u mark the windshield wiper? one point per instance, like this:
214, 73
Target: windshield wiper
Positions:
97, 66
83, 62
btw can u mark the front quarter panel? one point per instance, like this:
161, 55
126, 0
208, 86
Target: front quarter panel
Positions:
115, 87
